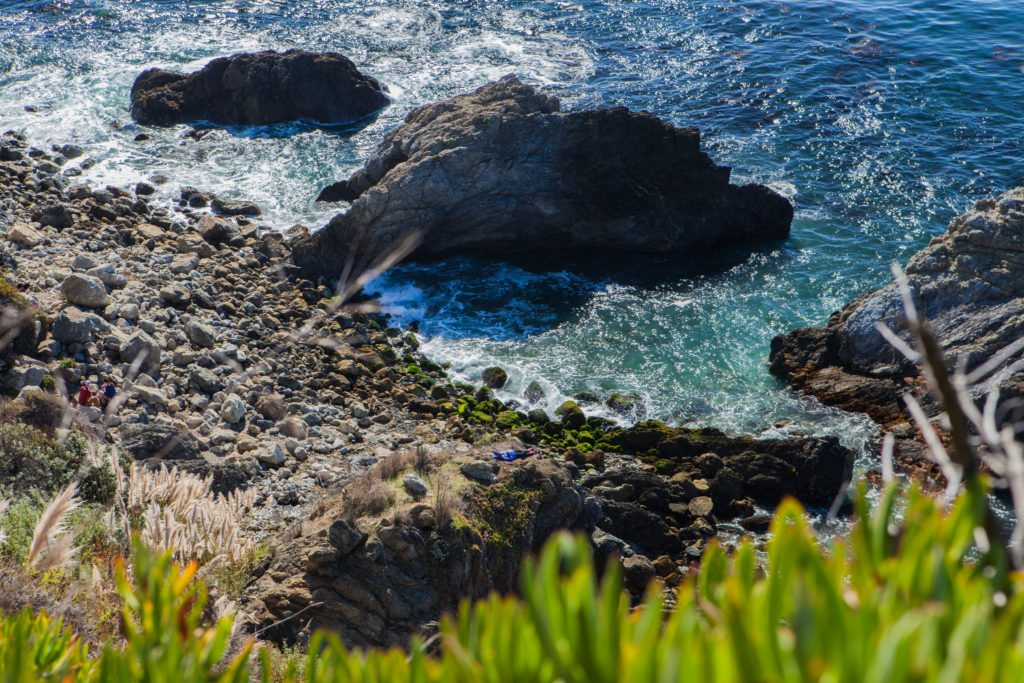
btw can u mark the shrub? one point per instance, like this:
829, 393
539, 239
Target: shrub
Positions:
17, 524
31, 461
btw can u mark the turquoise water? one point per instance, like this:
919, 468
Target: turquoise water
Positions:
881, 120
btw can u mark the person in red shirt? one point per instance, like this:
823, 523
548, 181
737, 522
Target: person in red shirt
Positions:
84, 395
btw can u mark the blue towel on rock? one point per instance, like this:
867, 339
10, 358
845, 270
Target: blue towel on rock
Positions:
509, 456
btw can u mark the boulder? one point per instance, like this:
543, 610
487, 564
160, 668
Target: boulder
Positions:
108, 276
200, 334
233, 409
158, 442
229, 207
272, 456
176, 295
150, 395
968, 283
478, 471
84, 290
74, 326
205, 380
217, 231
26, 373
272, 407
56, 215
502, 170
258, 89
415, 485
23, 234
141, 348
495, 378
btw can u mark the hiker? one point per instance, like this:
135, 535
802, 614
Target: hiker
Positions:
84, 395
107, 393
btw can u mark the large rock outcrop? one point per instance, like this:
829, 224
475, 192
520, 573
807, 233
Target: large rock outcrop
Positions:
502, 170
259, 88
740, 470
376, 582
969, 284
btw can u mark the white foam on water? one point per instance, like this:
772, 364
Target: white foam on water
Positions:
79, 83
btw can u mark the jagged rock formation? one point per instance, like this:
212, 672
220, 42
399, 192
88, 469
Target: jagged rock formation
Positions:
968, 282
258, 89
502, 170
741, 470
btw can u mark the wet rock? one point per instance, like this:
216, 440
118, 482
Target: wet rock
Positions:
229, 207
534, 392
968, 283
627, 405
257, 89
217, 231
478, 174
495, 378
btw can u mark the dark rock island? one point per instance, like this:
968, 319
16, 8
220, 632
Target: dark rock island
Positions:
259, 88
502, 170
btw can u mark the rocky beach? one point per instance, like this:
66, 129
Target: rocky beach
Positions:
231, 367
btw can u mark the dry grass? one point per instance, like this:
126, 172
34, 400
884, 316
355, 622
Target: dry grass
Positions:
446, 503
88, 608
52, 545
176, 511
366, 496
393, 465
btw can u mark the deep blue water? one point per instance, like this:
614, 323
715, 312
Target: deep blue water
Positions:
881, 120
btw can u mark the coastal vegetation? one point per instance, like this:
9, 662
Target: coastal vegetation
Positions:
893, 601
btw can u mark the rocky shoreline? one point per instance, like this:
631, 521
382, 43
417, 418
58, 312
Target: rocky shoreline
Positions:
230, 366
967, 284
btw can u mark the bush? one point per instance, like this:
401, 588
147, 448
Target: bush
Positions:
32, 461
